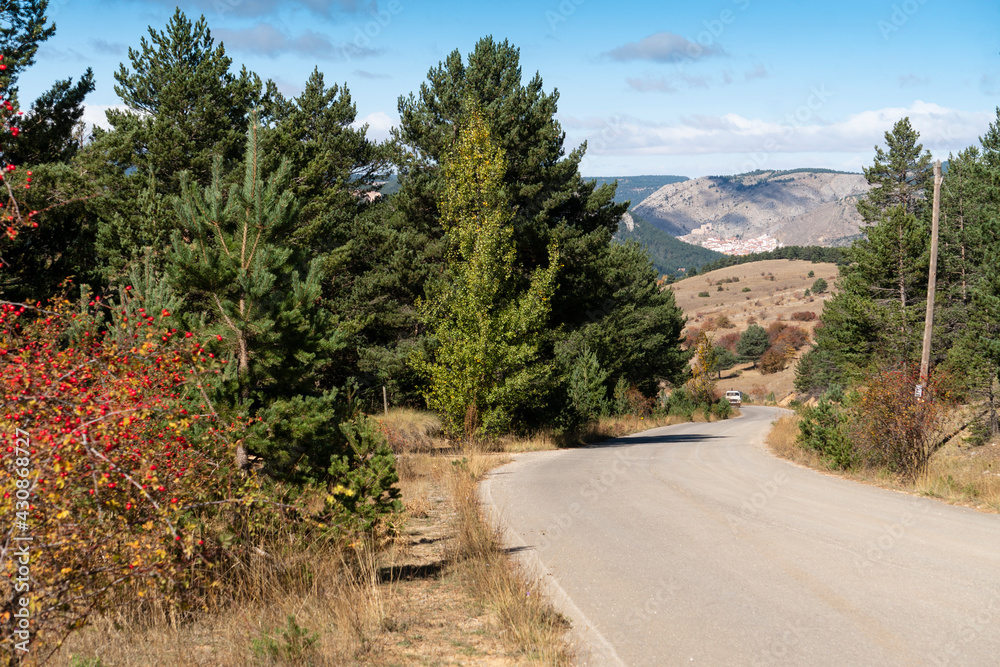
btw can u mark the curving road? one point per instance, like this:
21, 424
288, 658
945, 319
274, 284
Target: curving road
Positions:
691, 544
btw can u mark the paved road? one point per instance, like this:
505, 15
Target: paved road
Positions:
691, 545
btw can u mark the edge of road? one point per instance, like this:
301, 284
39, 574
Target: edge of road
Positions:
593, 647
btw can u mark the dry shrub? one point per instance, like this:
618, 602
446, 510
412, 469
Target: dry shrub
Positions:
728, 341
758, 392
410, 430
804, 316
775, 359
723, 322
894, 430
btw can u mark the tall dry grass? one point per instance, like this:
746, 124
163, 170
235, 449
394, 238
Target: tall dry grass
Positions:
531, 626
303, 606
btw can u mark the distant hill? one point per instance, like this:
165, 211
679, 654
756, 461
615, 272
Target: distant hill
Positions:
636, 188
797, 207
668, 253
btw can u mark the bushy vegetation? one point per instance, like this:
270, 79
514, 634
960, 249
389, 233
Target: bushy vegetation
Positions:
870, 334
213, 296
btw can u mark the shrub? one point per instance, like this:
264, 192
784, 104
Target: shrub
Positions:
804, 316
812, 274
774, 360
819, 286
745, 289
703, 294
719, 288
823, 429
723, 322
893, 429
728, 341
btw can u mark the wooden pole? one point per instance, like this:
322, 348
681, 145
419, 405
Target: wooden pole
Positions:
925, 357
385, 400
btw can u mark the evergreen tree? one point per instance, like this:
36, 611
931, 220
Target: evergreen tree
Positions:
636, 331
230, 260
753, 343
724, 359
338, 168
588, 391
487, 327
183, 109
900, 177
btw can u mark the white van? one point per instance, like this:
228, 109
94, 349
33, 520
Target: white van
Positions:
735, 398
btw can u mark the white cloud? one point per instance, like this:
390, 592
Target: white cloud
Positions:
941, 130
93, 115
379, 123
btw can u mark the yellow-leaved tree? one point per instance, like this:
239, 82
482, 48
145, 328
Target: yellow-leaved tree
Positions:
487, 320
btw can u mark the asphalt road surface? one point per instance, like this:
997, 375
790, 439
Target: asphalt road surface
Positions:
692, 545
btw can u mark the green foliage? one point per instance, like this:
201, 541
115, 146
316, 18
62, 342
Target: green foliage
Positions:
823, 429
811, 274
621, 402
819, 286
703, 294
667, 253
754, 341
747, 289
724, 359
293, 645
183, 110
487, 327
588, 392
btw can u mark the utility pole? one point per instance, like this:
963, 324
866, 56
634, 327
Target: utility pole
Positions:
925, 357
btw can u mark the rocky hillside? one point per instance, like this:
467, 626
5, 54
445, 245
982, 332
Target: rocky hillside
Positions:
799, 207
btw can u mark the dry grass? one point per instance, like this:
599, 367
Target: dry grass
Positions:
304, 607
957, 474
530, 625
411, 430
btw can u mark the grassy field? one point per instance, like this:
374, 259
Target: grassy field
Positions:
776, 290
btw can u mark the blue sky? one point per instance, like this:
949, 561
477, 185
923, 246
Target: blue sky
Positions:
661, 87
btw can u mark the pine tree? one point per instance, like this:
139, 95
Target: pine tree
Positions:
753, 342
230, 260
487, 326
183, 109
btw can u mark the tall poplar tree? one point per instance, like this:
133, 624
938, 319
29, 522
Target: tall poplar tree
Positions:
486, 323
